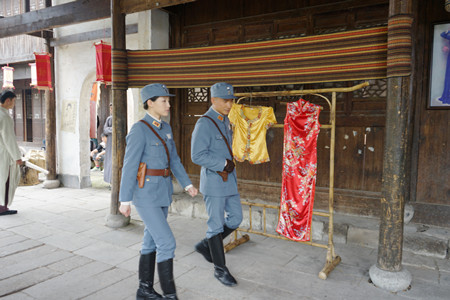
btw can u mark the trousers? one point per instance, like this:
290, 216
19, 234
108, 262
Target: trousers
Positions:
226, 210
157, 233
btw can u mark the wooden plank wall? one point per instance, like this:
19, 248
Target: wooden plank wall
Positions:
361, 115
430, 167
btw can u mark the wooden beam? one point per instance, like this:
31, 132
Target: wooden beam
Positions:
132, 6
55, 16
90, 36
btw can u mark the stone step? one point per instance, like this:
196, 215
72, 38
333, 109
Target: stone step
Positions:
347, 229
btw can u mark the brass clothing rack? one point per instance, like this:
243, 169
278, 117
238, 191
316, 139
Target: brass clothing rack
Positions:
332, 259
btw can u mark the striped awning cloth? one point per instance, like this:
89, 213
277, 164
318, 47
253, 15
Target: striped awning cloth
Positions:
349, 55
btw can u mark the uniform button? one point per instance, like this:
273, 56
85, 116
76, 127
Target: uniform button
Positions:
157, 144
148, 179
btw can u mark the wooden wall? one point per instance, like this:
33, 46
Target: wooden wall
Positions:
430, 165
29, 113
360, 115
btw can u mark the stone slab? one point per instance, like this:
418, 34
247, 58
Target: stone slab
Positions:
19, 282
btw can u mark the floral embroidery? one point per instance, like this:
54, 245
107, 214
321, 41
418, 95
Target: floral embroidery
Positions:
299, 170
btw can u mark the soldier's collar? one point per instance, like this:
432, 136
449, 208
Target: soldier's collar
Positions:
219, 116
155, 122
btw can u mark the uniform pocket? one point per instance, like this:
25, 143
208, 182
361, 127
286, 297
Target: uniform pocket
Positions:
218, 141
156, 149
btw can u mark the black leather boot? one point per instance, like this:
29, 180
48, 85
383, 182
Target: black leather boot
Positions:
146, 276
202, 247
218, 257
165, 272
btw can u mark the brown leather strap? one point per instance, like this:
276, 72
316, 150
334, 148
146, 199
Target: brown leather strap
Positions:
163, 142
226, 141
158, 172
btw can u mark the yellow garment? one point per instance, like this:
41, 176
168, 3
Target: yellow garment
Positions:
250, 124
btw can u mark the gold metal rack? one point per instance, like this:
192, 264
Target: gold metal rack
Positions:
332, 259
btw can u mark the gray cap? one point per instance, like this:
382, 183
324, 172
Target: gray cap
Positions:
154, 90
222, 90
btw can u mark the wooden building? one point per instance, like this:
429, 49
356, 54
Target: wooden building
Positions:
361, 133
361, 115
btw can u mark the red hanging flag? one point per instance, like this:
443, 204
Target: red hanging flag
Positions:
103, 62
43, 71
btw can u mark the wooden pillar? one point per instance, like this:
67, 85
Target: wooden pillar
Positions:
50, 122
103, 112
119, 117
389, 273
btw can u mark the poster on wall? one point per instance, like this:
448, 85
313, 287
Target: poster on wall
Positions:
439, 96
69, 116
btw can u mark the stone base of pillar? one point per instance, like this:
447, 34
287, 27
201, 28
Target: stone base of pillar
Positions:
390, 281
51, 184
117, 221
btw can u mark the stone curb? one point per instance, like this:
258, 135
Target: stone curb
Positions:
362, 231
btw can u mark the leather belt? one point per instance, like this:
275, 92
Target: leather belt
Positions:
158, 172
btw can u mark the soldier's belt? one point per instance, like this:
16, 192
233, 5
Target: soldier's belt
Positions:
158, 172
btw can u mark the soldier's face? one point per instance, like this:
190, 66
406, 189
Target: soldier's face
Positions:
160, 107
222, 106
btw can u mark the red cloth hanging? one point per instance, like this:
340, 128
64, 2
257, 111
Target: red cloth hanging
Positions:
43, 71
299, 170
103, 62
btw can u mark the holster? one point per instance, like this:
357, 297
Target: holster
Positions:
142, 170
223, 174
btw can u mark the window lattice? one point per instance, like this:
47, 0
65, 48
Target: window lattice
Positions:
197, 95
376, 89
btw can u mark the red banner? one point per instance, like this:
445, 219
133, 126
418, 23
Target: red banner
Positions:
103, 62
43, 71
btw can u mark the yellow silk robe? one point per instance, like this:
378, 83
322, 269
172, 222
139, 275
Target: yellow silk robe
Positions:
250, 124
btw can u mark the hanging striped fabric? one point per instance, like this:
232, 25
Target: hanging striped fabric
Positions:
349, 55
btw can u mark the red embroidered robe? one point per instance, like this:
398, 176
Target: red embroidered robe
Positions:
299, 170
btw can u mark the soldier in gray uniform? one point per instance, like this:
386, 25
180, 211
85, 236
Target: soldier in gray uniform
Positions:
155, 148
211, 146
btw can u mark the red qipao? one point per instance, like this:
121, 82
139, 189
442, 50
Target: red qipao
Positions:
299, 170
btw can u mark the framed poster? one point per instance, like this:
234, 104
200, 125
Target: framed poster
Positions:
439, 96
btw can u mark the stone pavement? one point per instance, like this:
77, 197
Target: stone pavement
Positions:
57, 247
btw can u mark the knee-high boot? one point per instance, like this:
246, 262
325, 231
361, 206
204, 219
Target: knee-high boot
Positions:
203, 248
146, 277
165, 272
218, 257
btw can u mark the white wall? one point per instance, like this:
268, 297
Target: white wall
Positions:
74, 75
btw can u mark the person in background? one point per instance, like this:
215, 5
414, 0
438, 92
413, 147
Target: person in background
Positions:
107, 164
150, 141
98, 154
10, 156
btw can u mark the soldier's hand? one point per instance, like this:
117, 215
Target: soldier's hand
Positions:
229, 166
125, 210
192, 191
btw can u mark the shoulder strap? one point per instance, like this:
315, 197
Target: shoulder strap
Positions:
159, 137
226, 141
